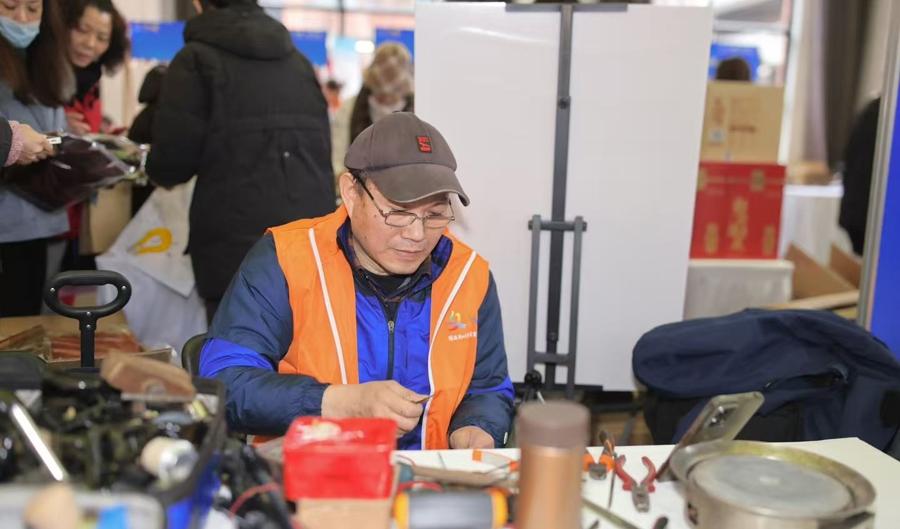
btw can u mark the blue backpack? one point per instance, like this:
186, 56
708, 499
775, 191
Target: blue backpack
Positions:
836, 374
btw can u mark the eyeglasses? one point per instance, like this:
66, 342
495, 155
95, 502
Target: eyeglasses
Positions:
401, 219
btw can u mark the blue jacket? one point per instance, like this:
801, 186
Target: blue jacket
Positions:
253, 329
833, 368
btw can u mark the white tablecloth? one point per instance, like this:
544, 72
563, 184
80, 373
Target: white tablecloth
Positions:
882, 470
716, 287
809, 219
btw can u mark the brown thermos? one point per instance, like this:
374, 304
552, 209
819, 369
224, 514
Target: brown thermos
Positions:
552, 437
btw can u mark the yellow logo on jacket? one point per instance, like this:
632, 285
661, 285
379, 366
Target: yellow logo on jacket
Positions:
466, 327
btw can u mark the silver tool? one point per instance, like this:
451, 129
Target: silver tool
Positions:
26, 426
722, 418
608, 515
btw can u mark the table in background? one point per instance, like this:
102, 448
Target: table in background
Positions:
716, 287
809, 220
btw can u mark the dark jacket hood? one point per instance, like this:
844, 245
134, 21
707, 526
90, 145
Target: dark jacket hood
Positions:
243, 30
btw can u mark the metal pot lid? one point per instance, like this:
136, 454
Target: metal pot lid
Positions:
783, 487
773, 480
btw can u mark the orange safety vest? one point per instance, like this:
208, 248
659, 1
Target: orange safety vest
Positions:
323, 300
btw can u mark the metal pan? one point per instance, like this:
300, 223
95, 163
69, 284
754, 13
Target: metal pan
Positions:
753, 485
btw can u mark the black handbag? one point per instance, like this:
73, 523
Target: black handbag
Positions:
79, 167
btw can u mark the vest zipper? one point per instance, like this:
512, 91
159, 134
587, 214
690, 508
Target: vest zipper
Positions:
390, 358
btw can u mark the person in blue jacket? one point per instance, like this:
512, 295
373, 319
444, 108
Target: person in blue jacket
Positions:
375, 310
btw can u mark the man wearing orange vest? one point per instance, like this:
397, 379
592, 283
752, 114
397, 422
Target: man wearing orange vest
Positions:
375, 310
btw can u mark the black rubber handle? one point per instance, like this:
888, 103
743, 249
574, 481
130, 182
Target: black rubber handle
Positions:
87, 316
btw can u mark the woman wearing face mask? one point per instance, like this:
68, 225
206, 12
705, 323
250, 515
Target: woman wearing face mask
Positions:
98, 41
35, 82
387, 88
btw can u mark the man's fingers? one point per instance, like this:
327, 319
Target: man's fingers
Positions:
405, 408
405, 424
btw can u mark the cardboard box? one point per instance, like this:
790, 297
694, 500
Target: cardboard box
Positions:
847, 265
104, 219
809, 173
737, 214
349, 513
817, 287
742, 122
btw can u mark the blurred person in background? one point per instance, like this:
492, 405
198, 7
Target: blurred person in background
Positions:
98, 42
35, 82
242, 109
734, 69
859, 157
332, 91
387, 88
141, 130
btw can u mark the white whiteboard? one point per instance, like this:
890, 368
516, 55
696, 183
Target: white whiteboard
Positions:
486, 78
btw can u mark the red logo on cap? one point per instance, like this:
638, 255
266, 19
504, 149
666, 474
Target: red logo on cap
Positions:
424, 143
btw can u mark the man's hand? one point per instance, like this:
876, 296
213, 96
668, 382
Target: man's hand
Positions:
471, 437
387, 399
35, 145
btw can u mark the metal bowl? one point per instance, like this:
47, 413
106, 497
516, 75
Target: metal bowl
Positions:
753, 485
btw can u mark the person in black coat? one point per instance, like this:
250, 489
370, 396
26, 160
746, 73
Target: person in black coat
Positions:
141, 130
242, 109
859, 156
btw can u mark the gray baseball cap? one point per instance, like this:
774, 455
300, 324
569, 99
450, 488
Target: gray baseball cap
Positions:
406, 158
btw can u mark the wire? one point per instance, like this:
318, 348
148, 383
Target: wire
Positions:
249, 494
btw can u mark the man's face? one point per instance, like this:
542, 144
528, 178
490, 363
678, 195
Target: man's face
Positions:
384, 249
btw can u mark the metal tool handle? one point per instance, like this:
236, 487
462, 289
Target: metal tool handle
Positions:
608, 515
87, 316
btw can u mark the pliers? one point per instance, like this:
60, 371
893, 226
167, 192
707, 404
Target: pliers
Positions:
606, 463
640, 492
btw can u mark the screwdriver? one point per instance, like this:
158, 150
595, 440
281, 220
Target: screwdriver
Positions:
481, 509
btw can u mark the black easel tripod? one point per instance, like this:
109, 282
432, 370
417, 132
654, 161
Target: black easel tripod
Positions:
557, 225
